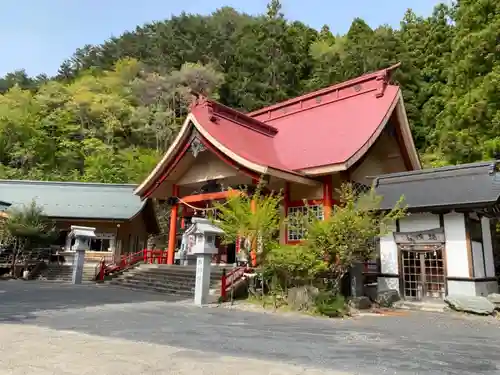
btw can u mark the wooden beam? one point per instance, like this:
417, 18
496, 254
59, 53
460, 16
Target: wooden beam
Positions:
209, 196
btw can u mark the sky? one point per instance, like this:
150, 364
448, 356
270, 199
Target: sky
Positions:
37, 35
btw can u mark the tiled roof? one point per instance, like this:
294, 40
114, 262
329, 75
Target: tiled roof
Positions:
74, 199
466, 185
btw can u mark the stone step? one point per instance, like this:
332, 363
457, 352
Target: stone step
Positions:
173, 271
153, 287
168, 276
167, 280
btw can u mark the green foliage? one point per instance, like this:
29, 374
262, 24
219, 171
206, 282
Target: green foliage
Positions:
255, 218
29, 225
294, 265
114, 108
331, 305
348, 236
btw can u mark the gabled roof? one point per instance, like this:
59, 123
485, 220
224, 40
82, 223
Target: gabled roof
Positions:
333, 128
74, 199
460, 186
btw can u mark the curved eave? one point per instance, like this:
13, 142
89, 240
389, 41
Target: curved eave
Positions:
173, 150
398, 106
180, 145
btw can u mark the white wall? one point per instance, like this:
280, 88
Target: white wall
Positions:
477, 259
389, 254
457, 261
465, 288
488, 247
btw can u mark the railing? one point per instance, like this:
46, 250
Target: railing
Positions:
229, 279
111, 264
155, 256
104, 267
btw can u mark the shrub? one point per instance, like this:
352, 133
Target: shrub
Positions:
331, 305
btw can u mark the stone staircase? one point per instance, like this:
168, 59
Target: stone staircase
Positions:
171, 280
64, 272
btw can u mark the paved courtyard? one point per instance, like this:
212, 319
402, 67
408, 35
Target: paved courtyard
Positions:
62, 329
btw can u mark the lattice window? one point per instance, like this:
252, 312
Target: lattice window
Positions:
297, 231
359, 188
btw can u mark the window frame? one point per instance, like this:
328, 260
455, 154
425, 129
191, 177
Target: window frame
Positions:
295, 206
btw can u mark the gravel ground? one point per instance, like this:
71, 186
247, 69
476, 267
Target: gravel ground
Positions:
57, 329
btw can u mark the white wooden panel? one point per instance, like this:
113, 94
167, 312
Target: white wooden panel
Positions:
477, 257
488, 247
456, 245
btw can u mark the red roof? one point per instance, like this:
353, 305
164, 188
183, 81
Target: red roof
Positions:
330, 133
321, 128
293, 140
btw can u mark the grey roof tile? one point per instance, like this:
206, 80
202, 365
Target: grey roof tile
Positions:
74, 199
474, 184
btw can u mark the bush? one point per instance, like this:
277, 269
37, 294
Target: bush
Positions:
331, 305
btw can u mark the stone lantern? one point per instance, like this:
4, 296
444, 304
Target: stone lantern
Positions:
202, 233
82, 236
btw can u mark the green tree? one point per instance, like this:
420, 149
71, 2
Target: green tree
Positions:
254, 218
469, 125
28, 228
348, 236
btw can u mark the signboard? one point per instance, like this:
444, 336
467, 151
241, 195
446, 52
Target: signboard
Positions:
190, 242
424, 237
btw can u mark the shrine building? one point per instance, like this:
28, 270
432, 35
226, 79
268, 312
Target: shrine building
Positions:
448, 244
306, 147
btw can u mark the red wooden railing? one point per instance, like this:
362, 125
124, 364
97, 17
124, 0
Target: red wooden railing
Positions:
155, 256
108, 265
229, 279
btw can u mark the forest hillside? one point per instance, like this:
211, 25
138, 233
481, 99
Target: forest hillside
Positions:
114, 108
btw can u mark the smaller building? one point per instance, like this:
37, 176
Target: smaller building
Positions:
445, 245
122, 221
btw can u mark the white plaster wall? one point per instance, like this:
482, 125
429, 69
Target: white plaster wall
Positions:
387, 283
457, 262
483, 288
477, 258
388, 254
421, 221
488, 247
464, 288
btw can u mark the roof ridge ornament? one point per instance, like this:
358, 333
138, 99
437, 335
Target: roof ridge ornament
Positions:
198, 99
383, 79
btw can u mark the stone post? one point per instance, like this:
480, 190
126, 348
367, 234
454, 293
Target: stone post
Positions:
357, 280
82, 237
202, 286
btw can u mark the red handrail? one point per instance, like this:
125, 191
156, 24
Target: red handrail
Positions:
229, 279
115, 265
155, 256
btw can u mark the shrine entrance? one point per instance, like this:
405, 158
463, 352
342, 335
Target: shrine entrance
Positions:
422, 266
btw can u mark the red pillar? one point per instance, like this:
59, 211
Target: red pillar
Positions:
286, 204
173, 227
253, 207
327, 196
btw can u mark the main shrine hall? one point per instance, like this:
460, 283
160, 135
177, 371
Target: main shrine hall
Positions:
306, 147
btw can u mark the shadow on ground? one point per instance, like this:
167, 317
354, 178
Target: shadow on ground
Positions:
24, 300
